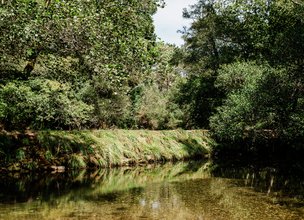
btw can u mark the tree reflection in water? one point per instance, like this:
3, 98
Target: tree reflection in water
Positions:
194, 190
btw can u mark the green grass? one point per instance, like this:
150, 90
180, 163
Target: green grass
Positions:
108, 148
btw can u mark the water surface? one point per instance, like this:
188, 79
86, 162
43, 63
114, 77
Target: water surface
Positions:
171, 191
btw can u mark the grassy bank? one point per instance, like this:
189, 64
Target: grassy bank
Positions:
99, 148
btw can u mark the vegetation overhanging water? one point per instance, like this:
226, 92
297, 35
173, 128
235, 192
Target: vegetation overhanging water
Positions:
49, 150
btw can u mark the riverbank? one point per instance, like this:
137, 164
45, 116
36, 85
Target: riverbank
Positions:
61, 150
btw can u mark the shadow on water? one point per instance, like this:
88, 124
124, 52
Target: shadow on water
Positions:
186, 190
19, 187
284, 178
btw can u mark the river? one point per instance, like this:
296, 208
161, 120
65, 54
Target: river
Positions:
184, 190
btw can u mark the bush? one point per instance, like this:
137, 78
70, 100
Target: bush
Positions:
264, 105
114, 111
198, 98
42, 104
155, 111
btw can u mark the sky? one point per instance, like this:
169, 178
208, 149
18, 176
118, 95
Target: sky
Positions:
169, 20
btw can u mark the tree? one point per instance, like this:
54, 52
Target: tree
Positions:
265, 101
102, 49
224, 32
152, 100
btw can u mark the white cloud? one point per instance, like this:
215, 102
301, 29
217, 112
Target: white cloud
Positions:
169, 20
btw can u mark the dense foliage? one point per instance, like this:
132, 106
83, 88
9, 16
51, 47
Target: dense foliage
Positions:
96, 64
79, 64
245, 62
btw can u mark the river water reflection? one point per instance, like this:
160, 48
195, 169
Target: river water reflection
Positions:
171, 191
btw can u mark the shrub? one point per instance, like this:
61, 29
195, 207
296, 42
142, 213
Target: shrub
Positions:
264, 105
42, 104
155, 111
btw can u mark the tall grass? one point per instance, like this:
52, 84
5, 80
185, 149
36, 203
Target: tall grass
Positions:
108, 148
